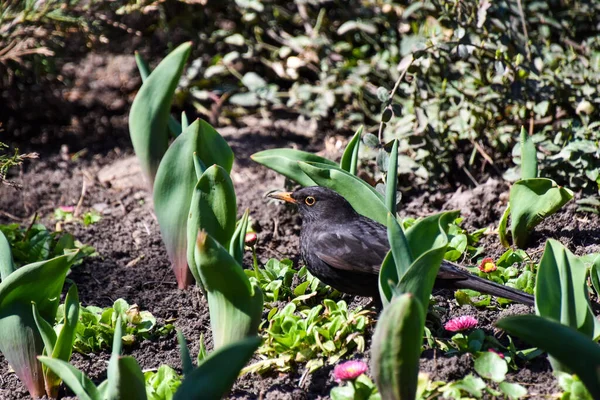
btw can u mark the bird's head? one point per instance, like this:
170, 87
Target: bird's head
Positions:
317, 203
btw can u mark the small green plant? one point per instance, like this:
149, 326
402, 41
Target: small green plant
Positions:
8, 161
532, 199
274, 279
36, 243
323, 333
96, 326
357, 385
162, 384
66, 214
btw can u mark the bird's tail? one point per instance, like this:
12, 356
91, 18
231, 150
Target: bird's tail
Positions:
458, 278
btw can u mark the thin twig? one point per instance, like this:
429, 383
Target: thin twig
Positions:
392, 93
80, 202
522, 14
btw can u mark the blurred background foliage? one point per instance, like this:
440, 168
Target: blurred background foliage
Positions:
481, 70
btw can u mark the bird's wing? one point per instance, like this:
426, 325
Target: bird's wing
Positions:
358, 246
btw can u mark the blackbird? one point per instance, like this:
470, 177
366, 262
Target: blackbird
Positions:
345, 249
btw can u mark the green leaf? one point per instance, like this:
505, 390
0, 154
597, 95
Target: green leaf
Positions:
21, 342
214, 378
397, 347
490, 365
531, 201
235, 305
595, 275
7, 266
125, 378
213, 209
561, 290
151, 108
427, 240
528, 156
186, 360
512, 390
238, 240
175, 127
76, 380
502, 234
571, 348
349, 160
184, 121
45, 329
392, 179
176, 179
362, 197
399, 247
285, 161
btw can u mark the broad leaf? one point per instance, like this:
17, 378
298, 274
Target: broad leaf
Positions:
397, 347
213, 209
7, 265
285, 161
532, 200
561, 290
571, 348
234, 304
176, 179
151, 110
427, 240
361, 196
214, 378
21, 342
528, 156
175, 127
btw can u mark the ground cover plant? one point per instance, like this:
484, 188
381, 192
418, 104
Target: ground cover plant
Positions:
465, 129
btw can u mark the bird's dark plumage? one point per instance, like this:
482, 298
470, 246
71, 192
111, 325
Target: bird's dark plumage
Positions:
345, 249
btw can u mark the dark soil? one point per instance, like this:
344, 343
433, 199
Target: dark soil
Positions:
133, 263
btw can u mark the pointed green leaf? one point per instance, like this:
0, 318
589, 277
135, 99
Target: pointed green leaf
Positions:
151, 108
235, 305
145, 71
571, 348
76, 380
388, 279
399, 246
285, 161
7, 265
561, 290
184, 352
184, 121
528, 156
125, 378
63, 346
349, 161
531, 201
45, 329
213, 209
361, 196
397, 347
214, 378
176, 179
392, 179
238, 240
428, 240
503, 235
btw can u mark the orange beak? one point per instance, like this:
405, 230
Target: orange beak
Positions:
285, 196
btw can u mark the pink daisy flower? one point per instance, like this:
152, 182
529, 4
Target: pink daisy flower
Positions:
250, 239
461, 323
487, 265
349, 370
496, 351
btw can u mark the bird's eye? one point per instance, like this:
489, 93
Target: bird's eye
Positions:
310, 201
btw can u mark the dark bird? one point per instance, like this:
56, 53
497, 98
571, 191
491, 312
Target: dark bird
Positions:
345, 249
